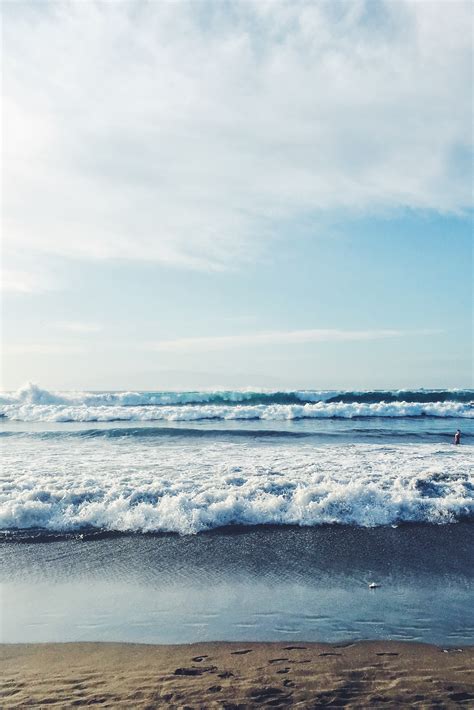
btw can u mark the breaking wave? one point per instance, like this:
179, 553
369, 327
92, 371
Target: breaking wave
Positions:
32, 394
190, 489
270, 412
31, 403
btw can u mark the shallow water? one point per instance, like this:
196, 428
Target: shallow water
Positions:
244, 584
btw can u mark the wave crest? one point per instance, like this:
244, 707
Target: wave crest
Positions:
273, 412
31, 394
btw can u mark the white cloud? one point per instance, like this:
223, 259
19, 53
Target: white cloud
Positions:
186, 132
291, 337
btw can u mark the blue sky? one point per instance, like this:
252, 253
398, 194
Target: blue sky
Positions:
237, 194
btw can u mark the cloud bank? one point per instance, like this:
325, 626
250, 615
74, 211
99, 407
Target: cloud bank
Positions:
287, 337
186, 133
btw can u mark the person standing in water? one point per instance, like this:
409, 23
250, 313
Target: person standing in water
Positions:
457, 436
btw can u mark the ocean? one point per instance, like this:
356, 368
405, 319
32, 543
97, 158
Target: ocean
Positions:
173, 517
187, 462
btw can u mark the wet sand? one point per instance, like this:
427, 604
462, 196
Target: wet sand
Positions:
237, 676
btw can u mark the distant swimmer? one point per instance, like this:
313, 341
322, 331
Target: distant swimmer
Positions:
457, 436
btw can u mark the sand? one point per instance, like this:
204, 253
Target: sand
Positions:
230, 675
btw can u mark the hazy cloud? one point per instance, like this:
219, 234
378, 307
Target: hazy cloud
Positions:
78, 327
186, 132
280, 338
23, 281
42, 349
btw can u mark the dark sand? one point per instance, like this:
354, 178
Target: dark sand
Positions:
229, 675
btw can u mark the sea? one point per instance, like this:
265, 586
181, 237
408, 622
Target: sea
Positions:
186, 462
244, 514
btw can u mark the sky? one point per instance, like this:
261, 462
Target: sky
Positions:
237, 194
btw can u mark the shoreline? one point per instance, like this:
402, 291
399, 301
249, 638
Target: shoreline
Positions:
237, 675
266, 584
26, 536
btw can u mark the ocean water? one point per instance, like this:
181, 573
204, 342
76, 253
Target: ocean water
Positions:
172, 517
189, 462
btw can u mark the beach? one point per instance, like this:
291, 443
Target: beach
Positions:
236, 549
191, 609
231, 675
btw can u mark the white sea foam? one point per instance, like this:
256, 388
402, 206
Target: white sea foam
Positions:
186, 488
29, 412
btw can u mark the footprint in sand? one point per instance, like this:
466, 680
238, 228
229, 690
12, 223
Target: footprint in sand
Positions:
188, 671
284, 670
294, 648
331, 653
277, 660
198, 659
225, 674
260, 695
461, 697
195, 671
241, 653
387, 653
